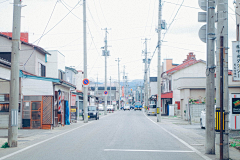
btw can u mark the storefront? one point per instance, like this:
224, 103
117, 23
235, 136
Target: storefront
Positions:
4, 104
79, 103
37, 112
37, 108
73, 114
4, 111
62, 106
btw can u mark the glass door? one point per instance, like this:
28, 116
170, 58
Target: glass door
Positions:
36, 115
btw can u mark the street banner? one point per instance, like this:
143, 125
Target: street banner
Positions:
73, 100
122, 91
236, 60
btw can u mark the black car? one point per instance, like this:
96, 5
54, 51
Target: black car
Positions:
93, 112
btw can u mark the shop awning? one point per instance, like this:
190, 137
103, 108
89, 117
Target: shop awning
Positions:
167, 95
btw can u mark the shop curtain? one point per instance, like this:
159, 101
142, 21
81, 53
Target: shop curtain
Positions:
67, 122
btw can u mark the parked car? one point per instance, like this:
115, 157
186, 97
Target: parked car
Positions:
93, 112
203, 119
126, 107
100, 107
110, 108
138, 106
152, 110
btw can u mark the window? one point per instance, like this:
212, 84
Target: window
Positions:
42, 70
4, 107
152, 106
170, 87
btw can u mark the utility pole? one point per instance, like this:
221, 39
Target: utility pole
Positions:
124, 92
141, 94
237, 11
105, 53
97, 85
110, 92
119, 85
222, 140
85, 87
159, 62
127, 88
149, 88
210, 79
145, 77
14, 83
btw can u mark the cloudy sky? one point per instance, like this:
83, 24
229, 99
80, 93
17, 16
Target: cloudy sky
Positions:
129, 21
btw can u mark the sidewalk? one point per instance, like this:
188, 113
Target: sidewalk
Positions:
193, 134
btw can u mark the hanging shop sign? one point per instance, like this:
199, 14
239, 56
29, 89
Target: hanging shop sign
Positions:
236, 60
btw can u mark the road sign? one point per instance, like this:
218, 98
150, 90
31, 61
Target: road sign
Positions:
105, 92
85, 81
202, 33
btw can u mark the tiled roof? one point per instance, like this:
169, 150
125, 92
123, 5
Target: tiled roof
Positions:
41, 50
184, 65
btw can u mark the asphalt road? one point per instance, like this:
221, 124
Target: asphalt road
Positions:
123, 135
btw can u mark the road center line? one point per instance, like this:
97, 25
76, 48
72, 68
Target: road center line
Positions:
134, 150
179, 139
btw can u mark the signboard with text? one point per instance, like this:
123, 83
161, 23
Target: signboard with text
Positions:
73, 100
235, 105
236, 60
73, 113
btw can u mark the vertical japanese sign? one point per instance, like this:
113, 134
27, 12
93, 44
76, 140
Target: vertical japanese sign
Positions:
122, 91
73, 100
236, 60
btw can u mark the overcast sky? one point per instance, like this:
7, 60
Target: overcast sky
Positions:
129, 22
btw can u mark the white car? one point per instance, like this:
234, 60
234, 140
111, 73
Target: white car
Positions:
152, 109
100, 107
110, 108
203, 119
126, 107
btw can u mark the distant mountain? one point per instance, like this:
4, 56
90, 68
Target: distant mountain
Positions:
133, 84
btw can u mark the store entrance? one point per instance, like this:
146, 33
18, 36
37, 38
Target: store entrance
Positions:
36, 115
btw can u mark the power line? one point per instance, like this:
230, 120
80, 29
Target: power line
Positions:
96, 11
92, 17
184, 49
153, 16
62, 1
42, 33
173, 20
182, 5
59, 21
71, 11
102, 12
187, 6
173, 10
147, 17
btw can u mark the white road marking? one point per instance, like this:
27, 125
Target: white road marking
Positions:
36, 144
134, 150
9, 155
182, 141
197, 145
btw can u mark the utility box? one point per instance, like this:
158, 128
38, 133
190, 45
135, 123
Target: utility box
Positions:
234, 111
